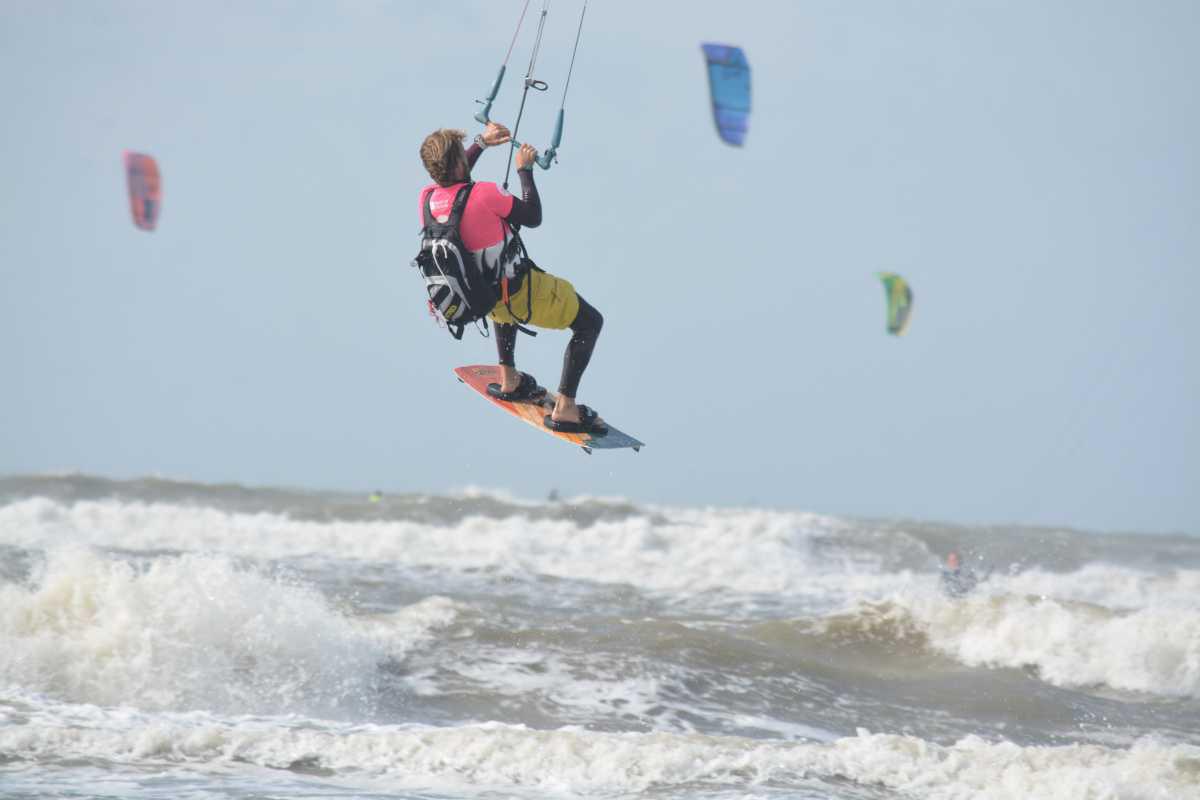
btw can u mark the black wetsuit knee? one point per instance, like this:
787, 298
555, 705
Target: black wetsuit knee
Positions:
585, 329
588, 319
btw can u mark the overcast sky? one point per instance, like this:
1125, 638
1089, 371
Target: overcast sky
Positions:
1030, 167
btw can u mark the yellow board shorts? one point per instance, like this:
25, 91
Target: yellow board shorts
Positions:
555, 304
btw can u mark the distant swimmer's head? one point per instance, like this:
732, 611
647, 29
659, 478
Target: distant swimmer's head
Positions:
952, 560
444, 157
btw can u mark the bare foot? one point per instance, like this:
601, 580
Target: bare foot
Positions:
510, 378
567, 410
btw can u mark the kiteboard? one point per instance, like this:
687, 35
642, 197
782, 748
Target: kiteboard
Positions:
478, 376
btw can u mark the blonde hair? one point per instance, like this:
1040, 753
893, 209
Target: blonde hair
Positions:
439, 154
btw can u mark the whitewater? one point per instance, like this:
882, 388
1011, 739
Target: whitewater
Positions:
168, 639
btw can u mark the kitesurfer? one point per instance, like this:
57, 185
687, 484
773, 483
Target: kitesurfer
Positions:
488, 228
958, 580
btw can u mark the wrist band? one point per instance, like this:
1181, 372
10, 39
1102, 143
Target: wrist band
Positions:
479, 141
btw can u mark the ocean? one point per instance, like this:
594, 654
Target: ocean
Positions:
166, 639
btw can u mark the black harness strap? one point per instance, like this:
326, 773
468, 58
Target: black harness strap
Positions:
529, 267
456, 210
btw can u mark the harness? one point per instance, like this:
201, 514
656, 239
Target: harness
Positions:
525, 265
461, 288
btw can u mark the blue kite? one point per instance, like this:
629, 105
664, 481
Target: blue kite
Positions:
729, 82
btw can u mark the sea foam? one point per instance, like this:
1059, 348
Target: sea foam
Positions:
194, 632
1155, 649
500, 757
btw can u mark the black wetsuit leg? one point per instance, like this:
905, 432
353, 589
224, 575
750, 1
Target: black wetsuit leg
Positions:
585, 328
506, 344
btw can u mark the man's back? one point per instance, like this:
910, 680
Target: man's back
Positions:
483, 226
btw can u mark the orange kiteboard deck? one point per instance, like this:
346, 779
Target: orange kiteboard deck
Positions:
478, 376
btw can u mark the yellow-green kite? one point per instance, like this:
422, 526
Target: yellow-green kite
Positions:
899, 302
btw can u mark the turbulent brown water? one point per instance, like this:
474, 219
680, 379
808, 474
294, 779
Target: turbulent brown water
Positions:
169, 639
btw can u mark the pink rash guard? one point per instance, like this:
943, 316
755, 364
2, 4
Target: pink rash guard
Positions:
489, 212
483, 225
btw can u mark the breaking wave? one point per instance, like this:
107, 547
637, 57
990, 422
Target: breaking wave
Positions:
499, 757
1153, 650
194, 632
